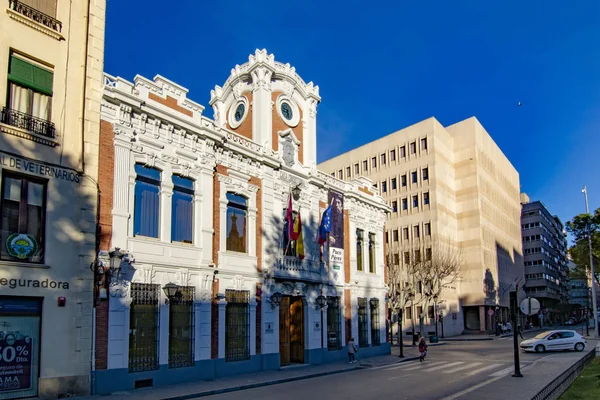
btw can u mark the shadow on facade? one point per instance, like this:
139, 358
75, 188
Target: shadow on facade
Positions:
62, 337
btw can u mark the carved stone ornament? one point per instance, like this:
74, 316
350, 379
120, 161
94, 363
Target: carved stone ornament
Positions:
156, 128
125, 115
289, 152
238, 282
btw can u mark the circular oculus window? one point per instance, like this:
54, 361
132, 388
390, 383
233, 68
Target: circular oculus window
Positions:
238, 112
288, 111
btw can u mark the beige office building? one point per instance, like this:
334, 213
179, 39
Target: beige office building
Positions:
452, 189
51, 62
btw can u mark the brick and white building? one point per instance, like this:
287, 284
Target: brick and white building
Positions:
200, 203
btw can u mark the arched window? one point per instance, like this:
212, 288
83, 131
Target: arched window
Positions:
237, 213
182, 213
146, 201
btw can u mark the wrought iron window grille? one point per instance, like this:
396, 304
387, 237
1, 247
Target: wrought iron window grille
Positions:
36, 15
334, 324
181, 328
144, 327
237, 325
363, 327
375, 332
27, 122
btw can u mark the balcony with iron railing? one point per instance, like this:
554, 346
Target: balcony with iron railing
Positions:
27, 122
35, 15
290, 267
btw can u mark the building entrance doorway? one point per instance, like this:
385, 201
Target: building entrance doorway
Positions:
291, 330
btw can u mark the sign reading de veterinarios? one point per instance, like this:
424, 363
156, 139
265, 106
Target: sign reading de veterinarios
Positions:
38, 168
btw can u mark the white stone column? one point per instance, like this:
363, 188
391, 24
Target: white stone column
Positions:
252, 307
121, 194
203, 330
222, 307
166, 203
309, 135
197, 221
324, 327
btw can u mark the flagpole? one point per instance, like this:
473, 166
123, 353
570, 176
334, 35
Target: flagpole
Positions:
283, 234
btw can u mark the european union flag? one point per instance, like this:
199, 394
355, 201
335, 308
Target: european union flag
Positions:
325, 226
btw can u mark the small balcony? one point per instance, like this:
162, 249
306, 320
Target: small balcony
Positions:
289, 267
27, 122
35, 15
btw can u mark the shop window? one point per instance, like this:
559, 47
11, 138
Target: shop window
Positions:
183, 210
359, 249
143, 327
334, 324
29, 96
237, 325
146, 201
372, 253
22, 234
237, 212
181, 329
375, 332
363, 323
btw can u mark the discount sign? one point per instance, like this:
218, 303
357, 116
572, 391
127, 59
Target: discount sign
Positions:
15, 362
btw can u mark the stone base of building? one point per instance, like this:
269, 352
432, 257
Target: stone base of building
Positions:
116, 380
64, 386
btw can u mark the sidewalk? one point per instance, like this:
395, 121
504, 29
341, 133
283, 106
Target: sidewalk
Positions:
292, 373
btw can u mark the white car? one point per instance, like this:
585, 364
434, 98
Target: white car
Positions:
555, 340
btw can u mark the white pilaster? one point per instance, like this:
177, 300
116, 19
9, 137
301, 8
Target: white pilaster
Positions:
203, 333
120, 211
163, 335
262, 124
166, 202
252, 328
222, 307
204, 217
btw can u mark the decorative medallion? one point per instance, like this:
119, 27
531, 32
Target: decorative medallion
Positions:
21, 246
288, 152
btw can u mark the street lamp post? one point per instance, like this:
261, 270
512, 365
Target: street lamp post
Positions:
594, 304
435, 299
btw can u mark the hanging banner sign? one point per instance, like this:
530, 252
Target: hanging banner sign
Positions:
15, 361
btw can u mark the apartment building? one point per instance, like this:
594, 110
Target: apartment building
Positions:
202, 277
451, 189
51, 56
545, 258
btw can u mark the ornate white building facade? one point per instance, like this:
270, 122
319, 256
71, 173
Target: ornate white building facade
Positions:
200, 204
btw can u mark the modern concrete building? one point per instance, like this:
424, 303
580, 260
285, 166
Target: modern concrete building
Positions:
579, 288
545, 257
450, 189
194, 214
51, 57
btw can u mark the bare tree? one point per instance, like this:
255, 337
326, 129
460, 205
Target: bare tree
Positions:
400, 290
438, 268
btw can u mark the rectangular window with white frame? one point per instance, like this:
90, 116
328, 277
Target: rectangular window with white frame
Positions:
237, 214
23, 219
146, 211
182, 213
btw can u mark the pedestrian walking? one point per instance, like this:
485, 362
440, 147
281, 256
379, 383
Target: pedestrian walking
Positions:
422, 349
520, 331
351, 350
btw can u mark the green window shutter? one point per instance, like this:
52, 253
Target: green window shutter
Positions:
31, 76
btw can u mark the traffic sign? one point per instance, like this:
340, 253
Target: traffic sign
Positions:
530, 306
490, 312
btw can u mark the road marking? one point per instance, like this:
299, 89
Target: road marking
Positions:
403, 365
472, 388
484, 369
424, 365
503, 372
443, 366
453, 370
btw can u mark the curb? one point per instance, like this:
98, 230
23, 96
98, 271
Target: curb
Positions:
263, 384
468, 339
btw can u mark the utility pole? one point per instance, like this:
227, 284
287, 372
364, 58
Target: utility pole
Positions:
594, 300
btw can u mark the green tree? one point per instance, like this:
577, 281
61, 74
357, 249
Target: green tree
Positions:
582, 227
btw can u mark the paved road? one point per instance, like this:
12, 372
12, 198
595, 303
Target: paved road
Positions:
449, 369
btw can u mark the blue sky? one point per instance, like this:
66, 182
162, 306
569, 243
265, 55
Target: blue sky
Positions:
392, 64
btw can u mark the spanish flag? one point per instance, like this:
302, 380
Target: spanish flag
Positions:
300, 239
